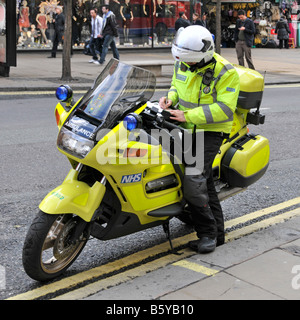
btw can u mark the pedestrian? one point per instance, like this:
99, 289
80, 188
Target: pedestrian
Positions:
282, 29
59, 26
95, 41
109, 32
244, 36
205, 87
196, 19
204, 20
182, 21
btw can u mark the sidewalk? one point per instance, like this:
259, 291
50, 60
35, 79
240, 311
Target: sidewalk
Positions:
35, 72
264, 265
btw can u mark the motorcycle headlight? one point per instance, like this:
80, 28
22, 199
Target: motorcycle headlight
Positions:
74, 144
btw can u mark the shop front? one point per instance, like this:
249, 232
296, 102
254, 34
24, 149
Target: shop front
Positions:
265, 15
150, 23
142, 23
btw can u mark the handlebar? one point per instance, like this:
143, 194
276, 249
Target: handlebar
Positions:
160, 119
170, 126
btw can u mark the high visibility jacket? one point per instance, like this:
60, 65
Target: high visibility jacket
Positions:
209, 107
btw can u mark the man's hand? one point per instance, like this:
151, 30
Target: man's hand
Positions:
177, 115
164, 103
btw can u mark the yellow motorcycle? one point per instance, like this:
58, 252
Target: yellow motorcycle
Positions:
126, 175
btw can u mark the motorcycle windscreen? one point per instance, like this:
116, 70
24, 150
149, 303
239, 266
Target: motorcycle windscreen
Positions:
117, 86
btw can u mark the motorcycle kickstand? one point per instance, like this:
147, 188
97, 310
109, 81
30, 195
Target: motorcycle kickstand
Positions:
166, 227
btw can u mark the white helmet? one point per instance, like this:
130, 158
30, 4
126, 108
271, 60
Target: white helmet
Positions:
193, 44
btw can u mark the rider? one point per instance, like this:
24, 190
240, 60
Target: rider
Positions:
205, 87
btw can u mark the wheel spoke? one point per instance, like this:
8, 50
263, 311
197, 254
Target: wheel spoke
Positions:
49, 243
57, 252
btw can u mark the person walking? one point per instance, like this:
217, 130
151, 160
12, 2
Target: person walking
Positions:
95, 41
109, 32
59, 25
244, 36
282, 29
182, 21
205, 86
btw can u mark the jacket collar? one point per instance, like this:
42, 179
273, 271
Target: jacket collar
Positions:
200, 66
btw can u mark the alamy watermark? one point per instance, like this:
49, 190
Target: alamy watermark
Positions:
160, 146
2, 278
296, 279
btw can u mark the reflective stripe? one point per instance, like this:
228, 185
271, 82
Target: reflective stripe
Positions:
176, 67
214, 95
223, 71
206, 110
173, 90
207, 113
225, 109
189, 105
180, 77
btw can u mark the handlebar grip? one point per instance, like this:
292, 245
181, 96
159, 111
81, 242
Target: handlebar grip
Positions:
171, 126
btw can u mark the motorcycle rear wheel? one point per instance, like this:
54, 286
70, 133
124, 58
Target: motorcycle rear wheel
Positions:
47, 251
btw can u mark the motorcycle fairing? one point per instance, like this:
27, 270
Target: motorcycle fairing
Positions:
75, 197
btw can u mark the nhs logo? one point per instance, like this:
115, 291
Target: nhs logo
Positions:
132, 178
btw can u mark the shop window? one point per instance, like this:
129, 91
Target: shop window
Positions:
151, 24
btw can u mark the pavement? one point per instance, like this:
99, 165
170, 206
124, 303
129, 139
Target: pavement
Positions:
34, 72
261, 265
264, 265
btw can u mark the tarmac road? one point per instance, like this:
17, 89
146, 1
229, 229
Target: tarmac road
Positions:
31, 166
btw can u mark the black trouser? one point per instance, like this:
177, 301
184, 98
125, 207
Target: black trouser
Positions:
95, 44
286, 43
201, 195
57, 39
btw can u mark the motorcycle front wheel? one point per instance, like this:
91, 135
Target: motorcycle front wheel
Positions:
47, 250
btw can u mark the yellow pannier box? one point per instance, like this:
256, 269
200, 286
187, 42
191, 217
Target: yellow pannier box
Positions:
251, 88
246, 161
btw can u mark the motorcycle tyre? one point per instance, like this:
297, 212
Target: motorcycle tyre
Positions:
33, 248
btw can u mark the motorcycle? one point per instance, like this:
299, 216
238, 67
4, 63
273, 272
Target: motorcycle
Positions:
122, 177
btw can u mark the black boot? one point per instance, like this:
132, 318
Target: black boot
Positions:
203, 245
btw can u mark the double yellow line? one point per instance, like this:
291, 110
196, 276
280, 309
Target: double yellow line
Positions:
35, 93
103, 273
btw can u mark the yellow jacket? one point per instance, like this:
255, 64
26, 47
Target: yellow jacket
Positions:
209, 107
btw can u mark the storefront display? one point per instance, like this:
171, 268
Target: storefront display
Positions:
148, 23
142, 23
